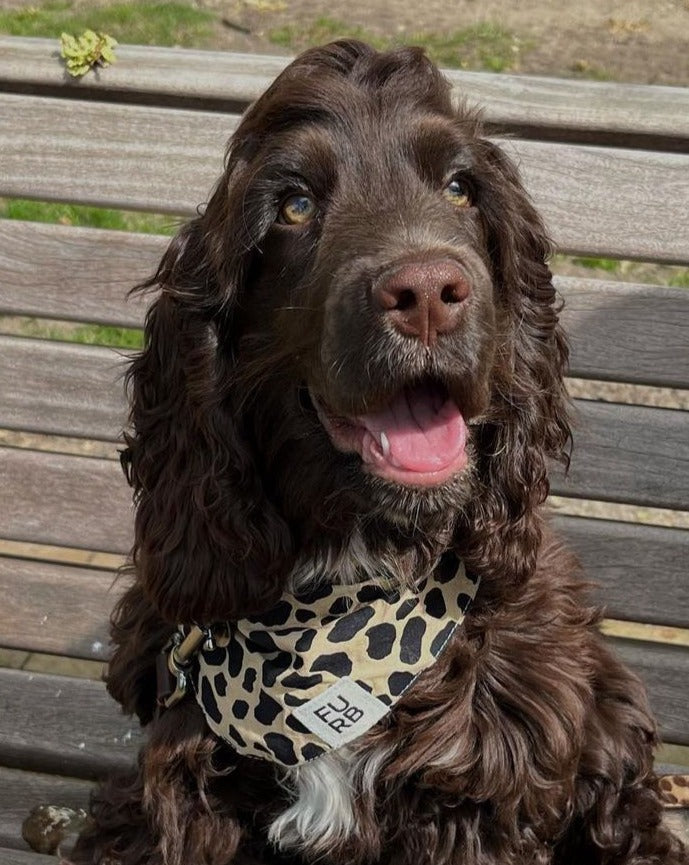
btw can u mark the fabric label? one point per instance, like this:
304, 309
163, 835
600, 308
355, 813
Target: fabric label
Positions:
340, 714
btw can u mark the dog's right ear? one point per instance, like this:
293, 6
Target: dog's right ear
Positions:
208, 544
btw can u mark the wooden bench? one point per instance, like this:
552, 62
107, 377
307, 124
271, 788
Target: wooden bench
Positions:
609, 167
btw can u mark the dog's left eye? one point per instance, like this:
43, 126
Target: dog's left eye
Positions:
297, 210
458, 193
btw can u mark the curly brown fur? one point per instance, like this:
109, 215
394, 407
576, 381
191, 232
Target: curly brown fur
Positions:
527, 742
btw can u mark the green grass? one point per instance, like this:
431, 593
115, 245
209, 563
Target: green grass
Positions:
92, 217
680, 279
87, 334
610, 265
142, 23
486, 45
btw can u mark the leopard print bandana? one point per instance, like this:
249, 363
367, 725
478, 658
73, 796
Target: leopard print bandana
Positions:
317, 671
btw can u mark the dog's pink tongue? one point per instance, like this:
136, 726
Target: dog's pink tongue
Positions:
420, 431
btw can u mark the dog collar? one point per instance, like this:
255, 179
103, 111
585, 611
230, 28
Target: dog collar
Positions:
317, 671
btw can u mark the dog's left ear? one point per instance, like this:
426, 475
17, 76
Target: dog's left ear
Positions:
208, 543
529, 421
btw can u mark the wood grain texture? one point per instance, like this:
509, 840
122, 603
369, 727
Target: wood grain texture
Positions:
70, 501
624, 332
595, 200
59, 609
618, 331
665, 671
62, 388
77, 274
630, 454
24, 857
640, 571
64, 610
21, 792
63, 725
202, 77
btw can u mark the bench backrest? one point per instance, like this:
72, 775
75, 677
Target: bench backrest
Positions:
608, 166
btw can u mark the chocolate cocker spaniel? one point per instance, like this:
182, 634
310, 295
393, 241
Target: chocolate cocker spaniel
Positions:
341, 419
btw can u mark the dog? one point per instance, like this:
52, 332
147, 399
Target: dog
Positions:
350, 392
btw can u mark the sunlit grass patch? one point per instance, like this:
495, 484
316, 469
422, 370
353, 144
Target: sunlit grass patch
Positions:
486, 45
82, 215
143, 23
63, 331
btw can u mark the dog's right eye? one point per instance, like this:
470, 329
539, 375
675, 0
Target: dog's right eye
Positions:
297, 210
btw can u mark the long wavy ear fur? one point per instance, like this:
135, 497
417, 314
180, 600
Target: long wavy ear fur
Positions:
529, 421
207, 542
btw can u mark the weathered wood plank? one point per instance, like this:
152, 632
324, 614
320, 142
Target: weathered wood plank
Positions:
63, 725
627, 453
62, 388
641, 571
51, 498
21, 792
624, 332
24, 857
77, 274
59, 609
191, 77
64, 610
665, 671
83, 274
167, 160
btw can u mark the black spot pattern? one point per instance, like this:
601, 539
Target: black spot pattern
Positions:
301, 683
338, 664
267, 709
236, 738
405, 608
303, 644
235, 655
317, 594
341, 606
435, 604
281, 746
240, 708
397, 682
220, 684
274, 667
216, 657
367, 594
311, 751
440, 639
380, 640
463, 601
302, 615
249, 680
294, 724
410, 642
210, 707
350, 625
260, 641
277, 616
294, 701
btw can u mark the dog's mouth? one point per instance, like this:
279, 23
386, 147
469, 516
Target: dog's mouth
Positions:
418, 439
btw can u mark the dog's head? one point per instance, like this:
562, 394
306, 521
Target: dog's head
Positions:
359, 331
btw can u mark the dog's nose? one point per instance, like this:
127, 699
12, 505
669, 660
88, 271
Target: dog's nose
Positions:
423, 299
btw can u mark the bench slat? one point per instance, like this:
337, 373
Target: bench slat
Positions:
61, 388
76, 274
42, 616
51, 498
625, 453
21, 792
24, 857
665, 671
63, 725
59, 609
623, 559
192, 77
167, 160
84, 274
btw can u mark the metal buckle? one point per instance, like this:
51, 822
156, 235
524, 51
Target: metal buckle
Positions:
176, 660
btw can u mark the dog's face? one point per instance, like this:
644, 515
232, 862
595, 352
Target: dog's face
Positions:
371, 294
358, 331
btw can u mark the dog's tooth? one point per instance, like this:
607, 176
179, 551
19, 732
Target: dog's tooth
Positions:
384, 444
